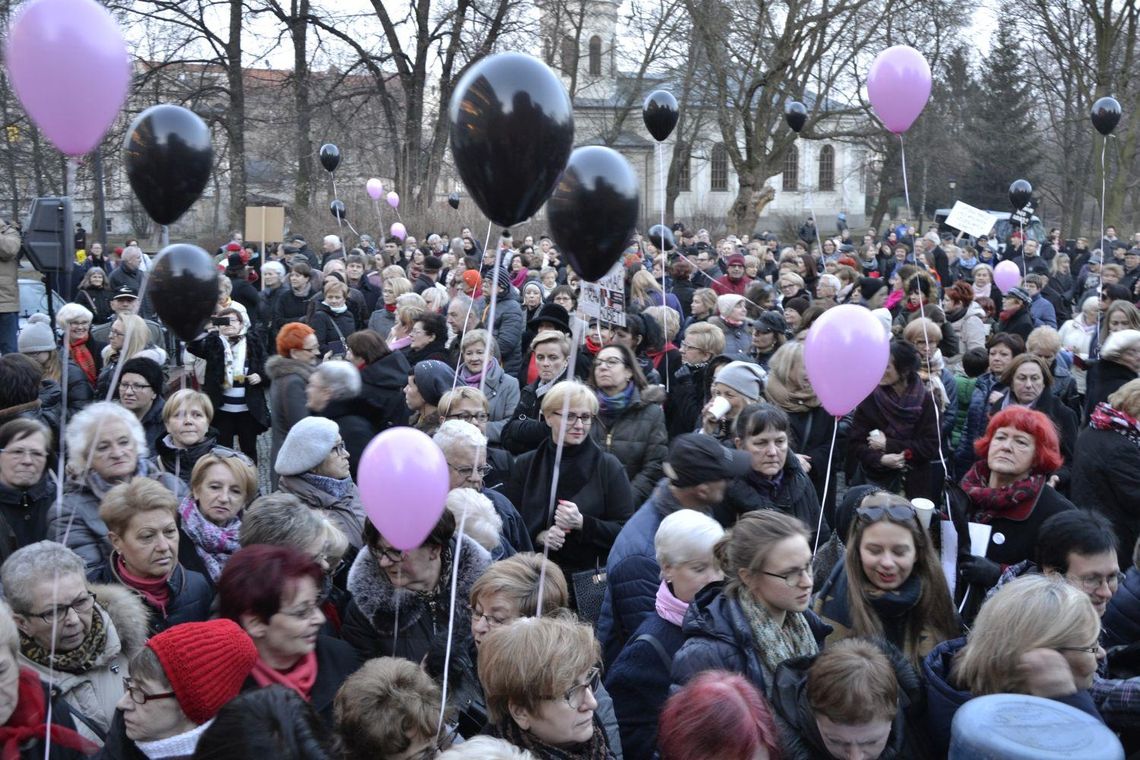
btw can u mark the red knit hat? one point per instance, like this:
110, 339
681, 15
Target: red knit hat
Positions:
473, 279
206, 664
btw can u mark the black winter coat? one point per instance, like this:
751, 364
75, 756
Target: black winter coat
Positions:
799, 734
356, 429
181, 462
718, 637
383, 384
190, 596
526, 429
1106, 479
1021, 323
637, 437
331, 328
24, 514
795, 496
1104, 378
686, 397
289, 307
922, 443
336, 661
1121, 622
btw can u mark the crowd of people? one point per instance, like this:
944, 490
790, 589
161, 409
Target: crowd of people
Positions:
657, 543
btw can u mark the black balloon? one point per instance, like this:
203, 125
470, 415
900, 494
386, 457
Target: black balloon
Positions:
336, 208
512, 129
183, 286
330, 157
1020, 193
660, 114
1105, 115
168, 159
662, 237
593, 210
453, 200
795, 113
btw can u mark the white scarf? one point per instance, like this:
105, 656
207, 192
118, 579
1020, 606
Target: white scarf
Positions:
182, 745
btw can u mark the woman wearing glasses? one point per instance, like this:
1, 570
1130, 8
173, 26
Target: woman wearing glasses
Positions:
592, 499
313, 465
401, 600
1036, 635
758, 617
91, 631
628, 426
890, 584
274, 594
539, 676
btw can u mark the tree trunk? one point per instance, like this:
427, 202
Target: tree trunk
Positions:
303, 190
37, 160
99, 213
752, 197
236, 122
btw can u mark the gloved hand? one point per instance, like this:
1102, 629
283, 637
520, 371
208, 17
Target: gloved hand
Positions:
979, 570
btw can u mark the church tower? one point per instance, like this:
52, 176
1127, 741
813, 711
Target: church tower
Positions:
580, 42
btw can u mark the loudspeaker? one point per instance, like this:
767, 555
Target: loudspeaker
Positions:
48, 241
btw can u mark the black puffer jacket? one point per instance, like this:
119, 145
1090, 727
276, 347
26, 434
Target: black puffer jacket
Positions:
794, 495
637, 437
686, 397
1106, 479
383, 390
799, 734
331, 328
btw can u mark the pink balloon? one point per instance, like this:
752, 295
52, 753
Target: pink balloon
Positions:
403, 485
393, 199
398, 230
898, 86
1006, 276
845, 355
375, 188
70, 69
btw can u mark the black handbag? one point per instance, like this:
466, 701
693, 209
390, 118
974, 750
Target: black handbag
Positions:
589, 587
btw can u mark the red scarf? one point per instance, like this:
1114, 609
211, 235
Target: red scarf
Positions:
300, 678
1013, 502
390, 308
1007, 314
153, 590
29, 721
531, 370
656, 356
592, 346
82, 356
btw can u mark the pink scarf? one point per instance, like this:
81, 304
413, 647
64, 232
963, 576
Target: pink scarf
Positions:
670, 608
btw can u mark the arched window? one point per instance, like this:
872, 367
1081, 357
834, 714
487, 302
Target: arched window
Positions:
595, 56
718, 168
792, 169
826, 169
569, 55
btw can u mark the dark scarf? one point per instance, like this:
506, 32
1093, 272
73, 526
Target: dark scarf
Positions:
956, 314
579, 465
595, 749
1007, 314
78, 660
766, 487
610, 407
82, 356
1104, 417
1013, 502
901, 411
29, 721
890, 606
338, 488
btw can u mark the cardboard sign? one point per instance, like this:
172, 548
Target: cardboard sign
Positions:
972, 221
265, 224
1022, 216
604, 300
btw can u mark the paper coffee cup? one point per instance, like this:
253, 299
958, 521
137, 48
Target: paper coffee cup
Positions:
719, 408
925, 510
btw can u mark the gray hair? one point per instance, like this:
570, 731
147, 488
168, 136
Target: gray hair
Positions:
281, 519
72, 312
436, 299
83, 427
274, 266
434, 238
457, 435
332, 239
33, 563
684, 536
1118, 343
482, 523
464, 302
340, 377
225, 287
9, 634
471, 337
456, 247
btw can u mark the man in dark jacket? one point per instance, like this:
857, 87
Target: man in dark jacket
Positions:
509, 322
697, 472
1015, 317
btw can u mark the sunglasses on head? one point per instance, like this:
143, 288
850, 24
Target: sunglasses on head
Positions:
874, 512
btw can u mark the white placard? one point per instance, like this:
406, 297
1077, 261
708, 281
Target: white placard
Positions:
949, 554
604, 300
979, 538
970, 220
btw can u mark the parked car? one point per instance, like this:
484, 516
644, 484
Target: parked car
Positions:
33, 299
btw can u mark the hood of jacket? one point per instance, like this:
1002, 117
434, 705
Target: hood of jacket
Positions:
942, 698
278, 367
790, 704
375, 595
390, 373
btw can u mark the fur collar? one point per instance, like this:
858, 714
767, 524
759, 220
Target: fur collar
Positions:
374, 595
128, 614
278, 367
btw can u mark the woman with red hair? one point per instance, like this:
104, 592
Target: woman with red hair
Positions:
717, 716
298, 351
1007, 489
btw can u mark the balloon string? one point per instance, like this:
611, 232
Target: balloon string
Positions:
906, 187
451, 619
937, 415
459, 337
576, 337
396, 624
339, 217
664, 260
1100, 243
490, 323
826, 487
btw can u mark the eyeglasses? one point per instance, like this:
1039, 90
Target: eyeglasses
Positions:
305, 613
394, 556
611, 362
575, 696
37, 456
1091, 583
492, 621
133, 387
81, 606
792, 577
483, 470
140, 697
469, 416
573, 419
873, 512
1092, 649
